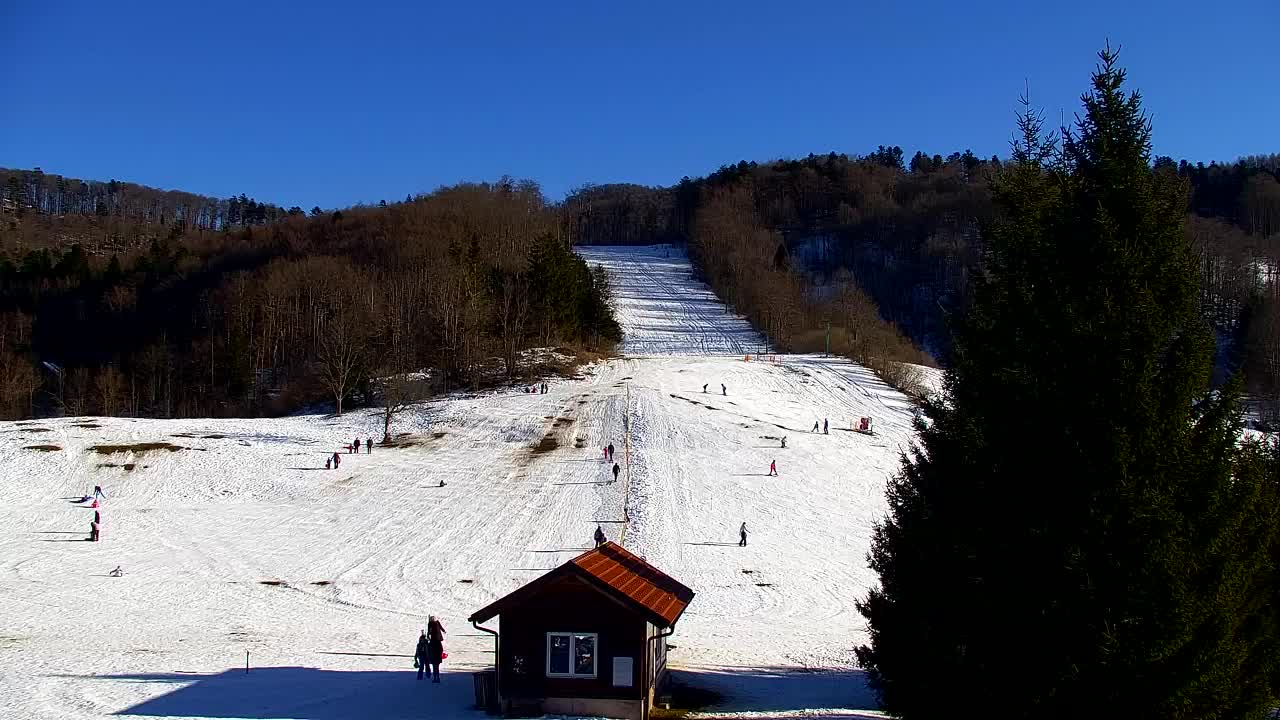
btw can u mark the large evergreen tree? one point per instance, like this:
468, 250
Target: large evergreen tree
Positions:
1080, 532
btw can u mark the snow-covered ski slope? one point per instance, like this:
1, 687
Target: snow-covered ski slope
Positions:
664, 310
238, 540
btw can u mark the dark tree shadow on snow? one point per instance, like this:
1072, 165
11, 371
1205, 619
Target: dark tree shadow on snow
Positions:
781, 689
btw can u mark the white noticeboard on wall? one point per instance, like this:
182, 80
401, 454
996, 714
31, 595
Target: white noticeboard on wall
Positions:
623, 671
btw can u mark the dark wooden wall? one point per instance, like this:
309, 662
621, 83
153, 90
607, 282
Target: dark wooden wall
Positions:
569, 605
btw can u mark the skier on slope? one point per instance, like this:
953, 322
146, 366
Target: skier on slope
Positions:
616, 470
773, 468
336, 461
815, 426
704, 388
97, 492
610, 451
742, 535
599, 536
723, 390
94, 529
328, 463
784, 441
824, 426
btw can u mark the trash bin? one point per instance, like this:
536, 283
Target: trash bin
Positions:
486, 682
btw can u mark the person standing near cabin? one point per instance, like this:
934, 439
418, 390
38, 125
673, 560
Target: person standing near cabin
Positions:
420, 654
742, 535
435, 647
773, 468
600, 538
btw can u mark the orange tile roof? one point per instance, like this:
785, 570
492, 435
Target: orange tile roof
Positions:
636, 579
614, 571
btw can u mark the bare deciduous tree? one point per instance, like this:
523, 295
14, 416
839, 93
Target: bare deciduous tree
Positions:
110, 387
341, 355
513, 311
398, 393
19, 381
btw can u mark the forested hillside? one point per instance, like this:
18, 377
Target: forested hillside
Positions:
141, 302
795, 244
164, 303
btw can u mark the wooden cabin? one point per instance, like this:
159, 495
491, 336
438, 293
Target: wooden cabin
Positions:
587, 638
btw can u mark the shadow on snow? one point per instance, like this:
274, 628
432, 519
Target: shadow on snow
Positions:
305, 694
313, 694
782, 690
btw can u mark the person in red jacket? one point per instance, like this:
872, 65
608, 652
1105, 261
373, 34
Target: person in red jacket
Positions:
435, 647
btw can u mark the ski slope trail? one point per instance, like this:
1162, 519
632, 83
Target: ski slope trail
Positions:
233, 538
663, 310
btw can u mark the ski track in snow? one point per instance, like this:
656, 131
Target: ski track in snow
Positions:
359, 556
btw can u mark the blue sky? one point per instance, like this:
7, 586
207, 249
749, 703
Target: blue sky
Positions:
332, 104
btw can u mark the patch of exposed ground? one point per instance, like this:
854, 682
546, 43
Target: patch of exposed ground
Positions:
135, 448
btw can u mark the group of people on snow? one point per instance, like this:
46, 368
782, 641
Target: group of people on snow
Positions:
353, 448
723, 390
608, 457
824, 426
540, 389
430, 651
95, 525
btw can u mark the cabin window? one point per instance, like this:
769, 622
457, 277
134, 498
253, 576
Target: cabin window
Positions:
571, 655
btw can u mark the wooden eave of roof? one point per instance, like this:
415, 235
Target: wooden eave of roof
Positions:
617, 573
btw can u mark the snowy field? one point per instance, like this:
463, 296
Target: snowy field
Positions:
237, 540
